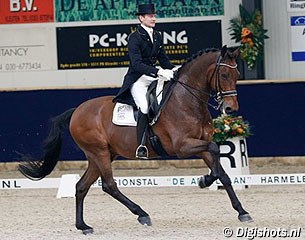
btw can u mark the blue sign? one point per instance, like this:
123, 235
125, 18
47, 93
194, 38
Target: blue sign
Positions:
297, 24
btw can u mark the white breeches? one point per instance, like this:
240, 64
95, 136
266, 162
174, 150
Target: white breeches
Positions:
139, 90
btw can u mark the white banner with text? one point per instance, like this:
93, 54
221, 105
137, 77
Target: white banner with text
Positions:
21, 51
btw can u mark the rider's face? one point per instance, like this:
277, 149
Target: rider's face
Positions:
148, 20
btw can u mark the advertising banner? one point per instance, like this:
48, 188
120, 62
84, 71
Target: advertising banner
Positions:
26, 11
21, 51
106, 46
297, 24
295, 5
95, 10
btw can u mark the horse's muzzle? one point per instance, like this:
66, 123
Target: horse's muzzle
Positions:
227, 108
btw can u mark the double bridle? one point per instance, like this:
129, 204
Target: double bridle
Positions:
218, 94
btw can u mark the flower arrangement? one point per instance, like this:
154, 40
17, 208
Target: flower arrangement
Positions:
227, 126
248, 30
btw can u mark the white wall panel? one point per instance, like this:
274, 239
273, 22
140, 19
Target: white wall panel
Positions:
277, 46
27, 49
278, 62
231, 10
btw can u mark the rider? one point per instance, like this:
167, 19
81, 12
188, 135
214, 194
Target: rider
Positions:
145, 48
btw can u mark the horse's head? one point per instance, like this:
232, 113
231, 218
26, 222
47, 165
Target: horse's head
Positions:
223, 75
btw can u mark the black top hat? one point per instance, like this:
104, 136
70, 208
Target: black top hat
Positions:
146, 9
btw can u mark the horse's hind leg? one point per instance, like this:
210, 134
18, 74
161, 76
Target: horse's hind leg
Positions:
110, 187
217, 172
82, 187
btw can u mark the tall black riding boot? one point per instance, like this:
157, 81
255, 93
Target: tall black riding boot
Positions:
142, 152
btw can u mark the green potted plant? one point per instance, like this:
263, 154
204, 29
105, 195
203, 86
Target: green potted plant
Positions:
227, 126
247, 29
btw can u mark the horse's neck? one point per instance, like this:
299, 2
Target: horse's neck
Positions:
188, 104
195, 89
197, 72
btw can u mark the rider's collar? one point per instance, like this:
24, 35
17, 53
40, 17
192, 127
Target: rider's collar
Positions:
147, 29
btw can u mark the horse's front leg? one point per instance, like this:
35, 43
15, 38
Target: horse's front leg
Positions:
206, 150
212, 158
190, 147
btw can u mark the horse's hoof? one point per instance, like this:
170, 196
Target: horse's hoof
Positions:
201, 182
245, 218
87, 231
145, 220
84, 228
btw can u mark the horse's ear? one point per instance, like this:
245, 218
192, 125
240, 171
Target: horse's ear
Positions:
224, 50
236, 53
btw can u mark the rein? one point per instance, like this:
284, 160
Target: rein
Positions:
218, 97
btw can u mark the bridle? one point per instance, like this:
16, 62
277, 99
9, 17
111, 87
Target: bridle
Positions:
218, 94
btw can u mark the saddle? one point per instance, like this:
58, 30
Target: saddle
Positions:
158, 94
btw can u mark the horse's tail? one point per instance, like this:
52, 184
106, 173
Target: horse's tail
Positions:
38, 169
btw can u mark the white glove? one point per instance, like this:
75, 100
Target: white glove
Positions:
166, 74
176, 68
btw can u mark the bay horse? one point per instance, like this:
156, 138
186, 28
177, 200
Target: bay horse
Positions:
185, 129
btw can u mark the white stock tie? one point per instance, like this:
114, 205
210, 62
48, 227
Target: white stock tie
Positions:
150, 33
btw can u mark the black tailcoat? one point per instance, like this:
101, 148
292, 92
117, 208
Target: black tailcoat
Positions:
143, 55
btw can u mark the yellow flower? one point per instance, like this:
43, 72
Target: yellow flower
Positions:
250, 42
226, 122
240, 130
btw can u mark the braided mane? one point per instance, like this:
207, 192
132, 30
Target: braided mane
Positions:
193, 57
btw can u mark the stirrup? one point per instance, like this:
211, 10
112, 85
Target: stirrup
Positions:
142, 152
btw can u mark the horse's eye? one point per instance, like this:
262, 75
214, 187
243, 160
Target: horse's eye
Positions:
224, 76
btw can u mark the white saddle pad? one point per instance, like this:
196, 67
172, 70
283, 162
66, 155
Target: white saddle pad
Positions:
123, 115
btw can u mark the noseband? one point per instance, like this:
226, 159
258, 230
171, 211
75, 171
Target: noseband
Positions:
219, 94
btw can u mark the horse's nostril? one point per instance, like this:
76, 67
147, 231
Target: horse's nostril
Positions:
228, 109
